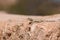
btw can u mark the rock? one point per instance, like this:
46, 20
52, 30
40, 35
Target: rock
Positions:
20, 27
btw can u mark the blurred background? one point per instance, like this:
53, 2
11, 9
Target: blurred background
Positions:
30, 7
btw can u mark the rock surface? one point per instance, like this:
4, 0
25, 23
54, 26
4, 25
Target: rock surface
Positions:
20, 27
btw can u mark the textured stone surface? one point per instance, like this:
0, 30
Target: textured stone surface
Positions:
19, 27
